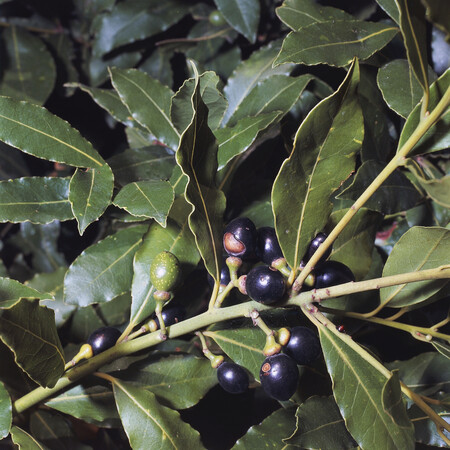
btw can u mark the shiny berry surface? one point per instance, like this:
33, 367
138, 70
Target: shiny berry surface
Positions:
267, 246
303, 345
265, 285
239, 238
216, 18
331, 273
165, 271
279, 376
314, 245
103, 338
232, 378
172, 314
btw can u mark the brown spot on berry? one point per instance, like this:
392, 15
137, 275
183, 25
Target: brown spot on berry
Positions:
266, 367
232, 245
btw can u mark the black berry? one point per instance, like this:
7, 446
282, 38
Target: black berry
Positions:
224, 275
331, 273
103, 338
232, 377
172, 314
239, 238
303, 345
265, 285
314, 245
279, 376
267, 246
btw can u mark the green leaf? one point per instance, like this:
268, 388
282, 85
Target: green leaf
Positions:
243, 345
147, 163
320, 425
247, 75
442, 348
437, 13
269, 433
6, 412
242, 15
11, 291
393, 402
276, 93
297, 14
104, 270
335, 42
437, 137
413, 27
28, 71
84, 320
36, 199
400, 88
420, 248
390, 7
197, 157
152, 199
238, 138
148, 102
90, 194
29, 330
323, 156
175, 238
358, 389
178, 381
24, 440
181, 109
149, 424
355, 244
93, 404
135, 20
36, 131
396, 194
158, 66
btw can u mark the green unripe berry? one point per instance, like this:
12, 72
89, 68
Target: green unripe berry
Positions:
165, 271
216, 18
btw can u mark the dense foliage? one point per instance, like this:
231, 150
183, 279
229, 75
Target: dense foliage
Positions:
133, 133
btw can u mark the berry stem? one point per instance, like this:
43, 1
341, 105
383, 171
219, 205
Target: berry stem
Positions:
259, 322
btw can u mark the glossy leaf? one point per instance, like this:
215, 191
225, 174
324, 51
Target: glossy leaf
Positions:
297, 14
244, 346
247, 75
24, 440
148, 102
197, 157
442, 348
158, 66
390, 7
276, 93
90, 194
400, 88
149, 424
358, 389
104, 270
6, 412
419, 248
175, 238
83, 321
178, 381
437, 137
238, 138
335, 42
270, 433
396, 194
320, 425
36, 199
29, 331
93, 404
181, 109
135, 20
152, 199
242, 15
413, 27
11, 291
323, 156
28, 71
36, 131
147, 163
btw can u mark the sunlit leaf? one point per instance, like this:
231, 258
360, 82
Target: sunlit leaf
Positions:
322, 158
11, 291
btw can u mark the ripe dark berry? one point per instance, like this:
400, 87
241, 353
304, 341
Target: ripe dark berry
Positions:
303, 345
331, 273
224, 275
239, 238
314, 245
267, 246
232, 377
165, 271
265, 285
103, 338
171, 314
279, 376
